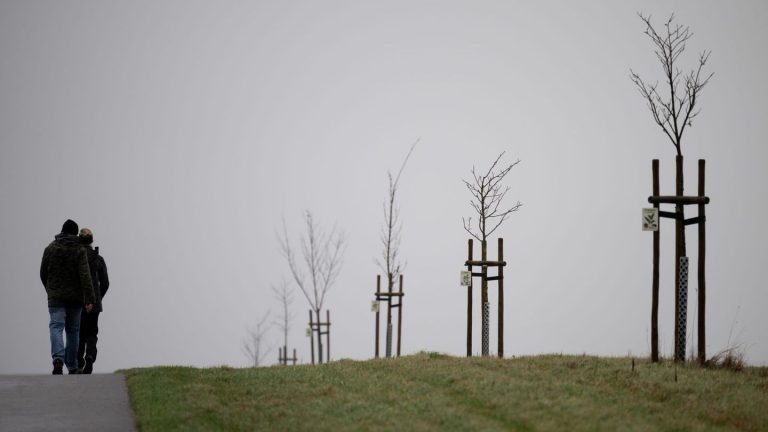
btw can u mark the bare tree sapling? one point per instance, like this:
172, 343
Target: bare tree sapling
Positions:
488, 194
253, 345
318, 267
673, 107
285, 296
390, 236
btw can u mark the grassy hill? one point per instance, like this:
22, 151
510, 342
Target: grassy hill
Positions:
430, 391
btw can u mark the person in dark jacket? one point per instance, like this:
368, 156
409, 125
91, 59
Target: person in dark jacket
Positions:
89, 321
67, 280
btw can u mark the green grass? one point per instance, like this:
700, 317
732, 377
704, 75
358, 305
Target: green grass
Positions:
430, 391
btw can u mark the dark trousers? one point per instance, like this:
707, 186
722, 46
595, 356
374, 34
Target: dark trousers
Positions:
89, 330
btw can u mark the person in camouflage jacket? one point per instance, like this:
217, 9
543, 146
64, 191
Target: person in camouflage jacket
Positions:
66, 277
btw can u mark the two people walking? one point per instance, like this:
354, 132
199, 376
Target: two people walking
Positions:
75, 279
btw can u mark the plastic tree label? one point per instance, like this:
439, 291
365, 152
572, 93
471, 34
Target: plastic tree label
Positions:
650, 219
466, 278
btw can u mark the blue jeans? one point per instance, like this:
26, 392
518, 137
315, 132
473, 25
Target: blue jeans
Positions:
65, 318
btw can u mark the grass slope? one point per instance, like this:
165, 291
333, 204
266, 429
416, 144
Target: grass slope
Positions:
429, 391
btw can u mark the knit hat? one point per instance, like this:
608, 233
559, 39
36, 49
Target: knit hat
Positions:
69, 227
86, 236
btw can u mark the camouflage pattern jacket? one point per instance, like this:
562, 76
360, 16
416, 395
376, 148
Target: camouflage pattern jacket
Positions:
65, 274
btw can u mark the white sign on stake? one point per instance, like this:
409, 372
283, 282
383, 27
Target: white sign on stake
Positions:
374, 306
466, 278
650, 219
309, 332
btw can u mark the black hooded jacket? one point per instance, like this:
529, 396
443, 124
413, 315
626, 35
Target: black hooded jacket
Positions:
99, 276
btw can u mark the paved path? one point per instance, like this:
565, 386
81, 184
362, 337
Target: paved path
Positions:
64, 403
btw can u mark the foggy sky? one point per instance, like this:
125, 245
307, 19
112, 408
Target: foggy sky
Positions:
181, 132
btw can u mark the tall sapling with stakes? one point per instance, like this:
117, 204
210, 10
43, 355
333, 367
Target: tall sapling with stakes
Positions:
390, 237
322, 255
487, 196
673, 108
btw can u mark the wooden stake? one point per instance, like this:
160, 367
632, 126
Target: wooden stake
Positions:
327, 333
469, 301
655, 283
702, 283
311, 337
501, 299
400, 316
378, 290
678, 250
388, 340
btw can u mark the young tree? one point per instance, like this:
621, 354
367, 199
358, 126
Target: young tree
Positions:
390, 240
322, 254
285, 296
488, 194
673, 108
254, 341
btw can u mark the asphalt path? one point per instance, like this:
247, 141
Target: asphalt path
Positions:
96, 402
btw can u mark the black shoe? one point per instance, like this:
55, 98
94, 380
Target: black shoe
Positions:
74, 371
58, 365
88, 369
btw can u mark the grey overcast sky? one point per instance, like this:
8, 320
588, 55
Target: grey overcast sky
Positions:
181, 131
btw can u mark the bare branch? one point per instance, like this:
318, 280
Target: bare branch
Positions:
468, 227
675, 112
296, 271
405, 161
331, 260
285, 296
488, 195
504, 216
392, 227
322, 256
